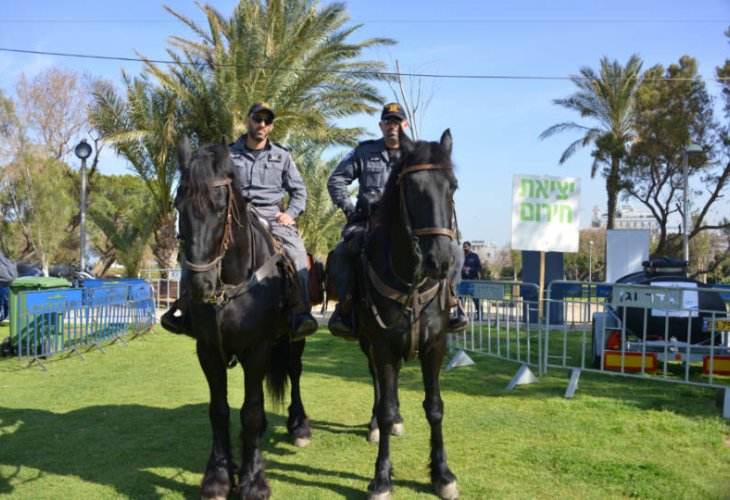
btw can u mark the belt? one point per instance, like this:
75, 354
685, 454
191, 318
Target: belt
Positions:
260, 205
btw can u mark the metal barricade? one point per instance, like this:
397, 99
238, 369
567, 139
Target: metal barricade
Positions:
165, 285
677, 332
50, 321
504, 324
66, 320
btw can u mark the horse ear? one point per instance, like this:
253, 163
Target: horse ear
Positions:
183, 153
446, 141
406, 144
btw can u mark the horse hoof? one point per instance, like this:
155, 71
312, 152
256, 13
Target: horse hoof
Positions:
379, 496
448, 491
374, 436
398, 429
302, 442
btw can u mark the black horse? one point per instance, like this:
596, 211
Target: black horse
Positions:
403, 310
236, 281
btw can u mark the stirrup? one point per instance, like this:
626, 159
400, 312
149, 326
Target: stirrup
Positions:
304, 326
340, 327
459, 322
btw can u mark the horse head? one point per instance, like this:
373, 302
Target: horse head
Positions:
207, 208
426, 182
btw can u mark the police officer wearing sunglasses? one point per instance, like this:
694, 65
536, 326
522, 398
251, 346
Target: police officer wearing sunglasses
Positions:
369, 163
267, 174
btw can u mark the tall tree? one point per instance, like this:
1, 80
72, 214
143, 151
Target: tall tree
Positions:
294, 54
122, 209
144, 128
53, 106
321, 222
607, 98
39, 203
673, 110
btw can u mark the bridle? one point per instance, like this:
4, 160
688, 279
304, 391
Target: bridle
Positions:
400, 182
227, 230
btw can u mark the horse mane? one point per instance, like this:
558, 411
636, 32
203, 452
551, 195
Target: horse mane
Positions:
416, 153
207, 164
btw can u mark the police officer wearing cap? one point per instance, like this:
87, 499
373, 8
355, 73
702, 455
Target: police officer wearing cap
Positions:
370, 164
267, 174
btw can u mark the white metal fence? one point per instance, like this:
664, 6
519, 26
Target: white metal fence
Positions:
670, 332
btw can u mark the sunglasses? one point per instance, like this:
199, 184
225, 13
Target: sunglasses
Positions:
392, 121
265, 119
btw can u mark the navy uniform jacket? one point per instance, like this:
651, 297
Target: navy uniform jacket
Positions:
267, 179
370, 164
472, 267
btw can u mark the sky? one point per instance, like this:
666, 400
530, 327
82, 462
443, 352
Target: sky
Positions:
499, 66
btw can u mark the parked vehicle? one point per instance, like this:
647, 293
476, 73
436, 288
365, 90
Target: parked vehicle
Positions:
677, 319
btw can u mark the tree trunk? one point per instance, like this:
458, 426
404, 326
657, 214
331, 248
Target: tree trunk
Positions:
164, 247
613, 188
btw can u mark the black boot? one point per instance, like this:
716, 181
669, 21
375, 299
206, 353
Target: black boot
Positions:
177, 323
304, 325
457, 322
341, 324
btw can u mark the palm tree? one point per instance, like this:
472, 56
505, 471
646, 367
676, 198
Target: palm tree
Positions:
609, 99
292, 54
321, 222
143, 129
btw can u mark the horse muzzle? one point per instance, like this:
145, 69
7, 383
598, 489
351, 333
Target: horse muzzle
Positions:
202, 285
436, 257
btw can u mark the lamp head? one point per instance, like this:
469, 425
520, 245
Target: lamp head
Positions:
82, 150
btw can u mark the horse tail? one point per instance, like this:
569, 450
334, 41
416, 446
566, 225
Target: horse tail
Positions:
277, 374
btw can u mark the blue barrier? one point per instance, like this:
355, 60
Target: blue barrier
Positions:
65, 320
725, 295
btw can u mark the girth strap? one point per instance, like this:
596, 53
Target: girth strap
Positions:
417, 302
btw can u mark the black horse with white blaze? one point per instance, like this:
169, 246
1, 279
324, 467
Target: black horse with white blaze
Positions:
236, 278
403, 311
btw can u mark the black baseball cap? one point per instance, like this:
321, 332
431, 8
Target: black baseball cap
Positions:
261, 106
393, 110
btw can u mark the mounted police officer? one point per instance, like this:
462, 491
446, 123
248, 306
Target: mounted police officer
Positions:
370, 164
267, 174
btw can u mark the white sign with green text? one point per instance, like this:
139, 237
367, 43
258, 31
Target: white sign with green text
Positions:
545, 213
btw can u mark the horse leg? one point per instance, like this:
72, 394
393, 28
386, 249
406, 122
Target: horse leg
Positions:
300, 430
218, 477
252, 479
387, 366
373, 431
443, 480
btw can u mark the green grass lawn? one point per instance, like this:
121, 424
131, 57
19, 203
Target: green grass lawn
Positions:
132, 423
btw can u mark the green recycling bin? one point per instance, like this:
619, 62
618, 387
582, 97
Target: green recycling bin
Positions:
18, 331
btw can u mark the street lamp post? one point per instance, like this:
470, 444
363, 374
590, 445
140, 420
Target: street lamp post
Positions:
691, 149
590, 262
83, 151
